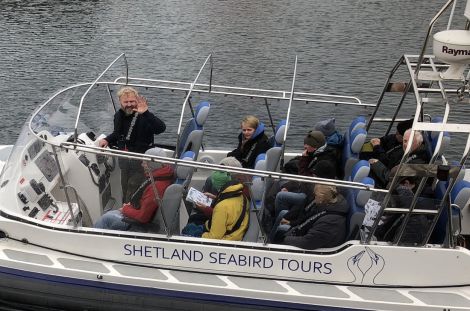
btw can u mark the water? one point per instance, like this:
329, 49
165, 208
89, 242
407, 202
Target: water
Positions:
343, 47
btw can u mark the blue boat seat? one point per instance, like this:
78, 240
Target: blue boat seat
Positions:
357, 199
354, 139
460, 196
191, 137
435, 135
359, 171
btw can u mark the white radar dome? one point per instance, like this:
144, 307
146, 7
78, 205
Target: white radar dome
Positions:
453, 48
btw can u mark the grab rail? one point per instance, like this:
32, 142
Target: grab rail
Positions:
82, 99
431, 26
186, 100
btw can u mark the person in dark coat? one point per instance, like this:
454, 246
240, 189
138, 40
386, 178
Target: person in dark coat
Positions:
388, 149
134, 130
416, 228
251, 142
322, 224
418, 155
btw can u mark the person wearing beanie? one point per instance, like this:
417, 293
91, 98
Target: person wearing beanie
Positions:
214, 183
251, 142
142, 204
327, 127
315, 150
334, 140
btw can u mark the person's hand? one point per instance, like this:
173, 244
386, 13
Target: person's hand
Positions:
142, 105
372, 161
103, 143
284, 221
210, 195
200, 207
375, 141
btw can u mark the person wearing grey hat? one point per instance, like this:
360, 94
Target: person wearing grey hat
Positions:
143, 203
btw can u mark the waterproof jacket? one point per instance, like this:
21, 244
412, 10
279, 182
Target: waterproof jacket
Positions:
325, 152
418, 224
141, 138
389, 152
381, 173
225, 215
143, 208
322, 226
246, 153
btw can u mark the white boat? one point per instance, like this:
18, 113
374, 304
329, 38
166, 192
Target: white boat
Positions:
57, 182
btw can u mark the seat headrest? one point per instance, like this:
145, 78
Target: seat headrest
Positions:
357, 139
461, 174
360, 170
460, 194
259, 130
444, 144
182, 172
363, 196
202, 111
279, 135
260, 162
357, 123
436, 120
257, 188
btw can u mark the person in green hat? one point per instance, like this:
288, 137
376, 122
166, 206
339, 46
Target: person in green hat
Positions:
214, 183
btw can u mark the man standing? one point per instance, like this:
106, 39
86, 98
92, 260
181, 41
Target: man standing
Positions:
134, 129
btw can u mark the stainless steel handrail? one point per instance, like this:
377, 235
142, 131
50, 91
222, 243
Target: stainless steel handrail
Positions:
216, 167
178, 133
82, 99
431, 26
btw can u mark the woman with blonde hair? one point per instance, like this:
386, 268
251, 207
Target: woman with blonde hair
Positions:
324, 222
251, 142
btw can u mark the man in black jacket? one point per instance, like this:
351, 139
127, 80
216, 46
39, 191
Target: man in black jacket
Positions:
418, 155
388, 149
134, 130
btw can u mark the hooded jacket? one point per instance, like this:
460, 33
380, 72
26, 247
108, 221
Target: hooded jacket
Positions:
225, 215
322, 226
246, 153
146, 206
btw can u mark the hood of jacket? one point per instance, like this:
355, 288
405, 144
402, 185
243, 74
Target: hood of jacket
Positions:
335, 140
164, 171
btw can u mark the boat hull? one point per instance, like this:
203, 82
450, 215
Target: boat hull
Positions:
35, 275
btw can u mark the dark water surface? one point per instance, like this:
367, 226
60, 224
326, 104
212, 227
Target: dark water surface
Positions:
343, 47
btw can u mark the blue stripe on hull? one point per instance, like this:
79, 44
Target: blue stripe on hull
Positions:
96, 288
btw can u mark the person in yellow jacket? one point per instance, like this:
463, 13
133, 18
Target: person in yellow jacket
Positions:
230, 215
